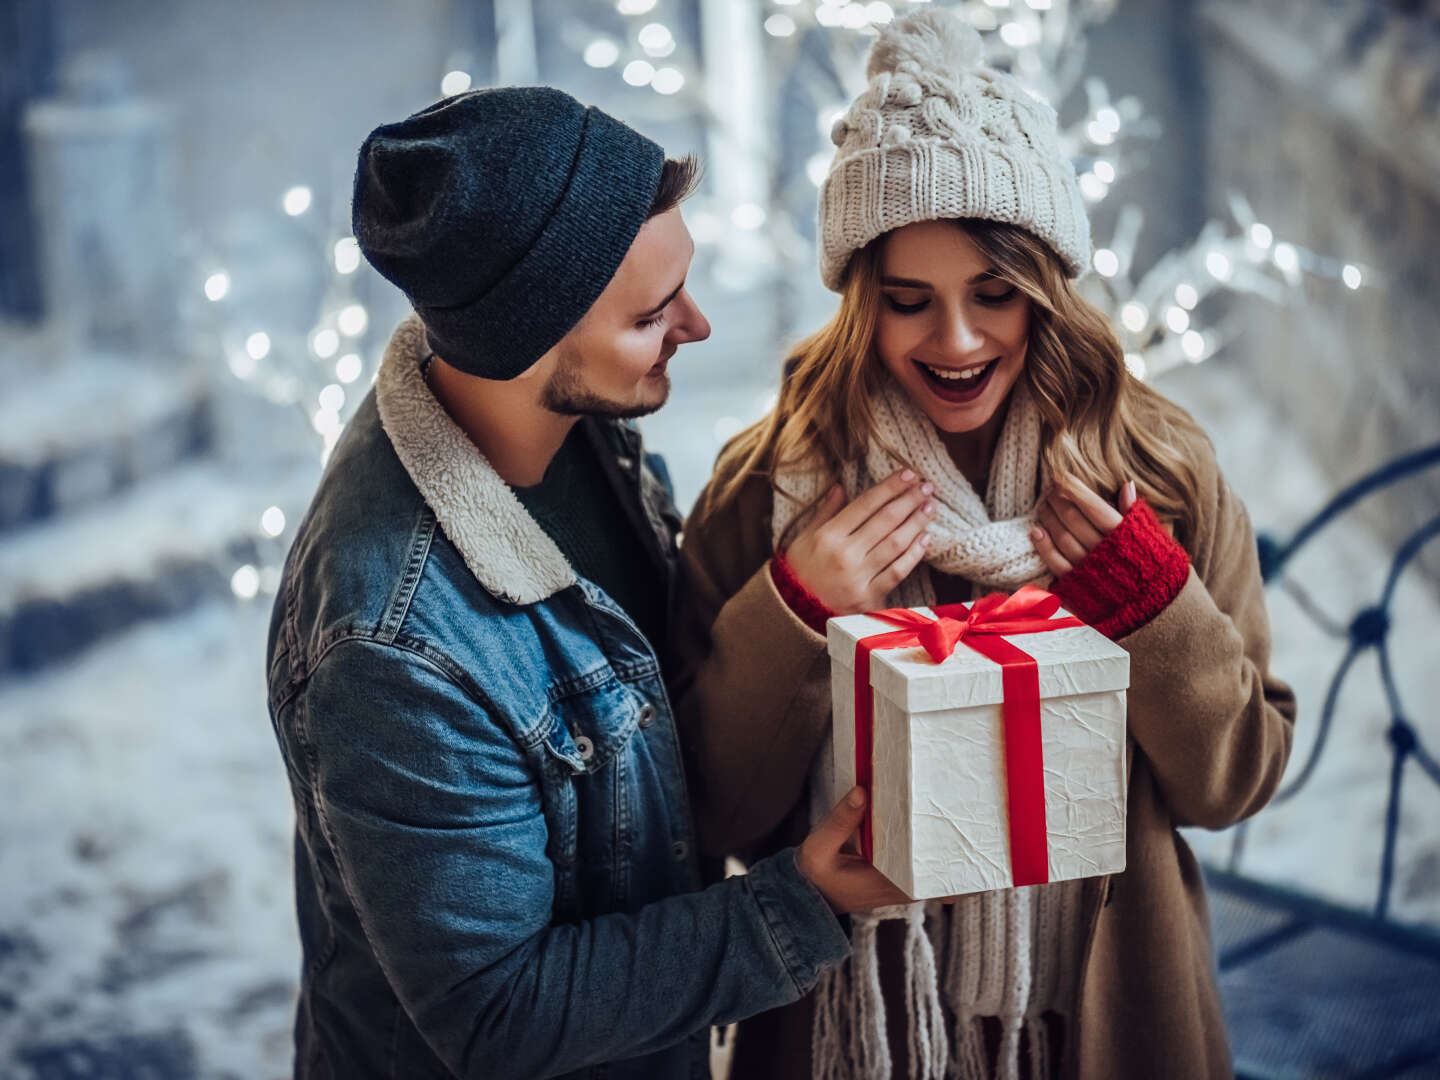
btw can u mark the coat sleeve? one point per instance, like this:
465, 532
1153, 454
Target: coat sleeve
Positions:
434, 817
1204, 709
750, 682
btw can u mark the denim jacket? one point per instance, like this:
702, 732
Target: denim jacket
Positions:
494, 855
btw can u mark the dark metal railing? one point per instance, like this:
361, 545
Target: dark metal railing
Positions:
1369, 629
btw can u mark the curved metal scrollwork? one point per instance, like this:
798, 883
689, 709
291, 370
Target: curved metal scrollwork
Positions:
1369, 629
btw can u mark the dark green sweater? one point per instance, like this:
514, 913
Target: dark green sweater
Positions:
579, 509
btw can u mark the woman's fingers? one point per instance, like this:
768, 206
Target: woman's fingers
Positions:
1099, 512
1057, 563
868, 502
1128, 498
899, 539
890, 518
1060, 537
885, 582
1077, 523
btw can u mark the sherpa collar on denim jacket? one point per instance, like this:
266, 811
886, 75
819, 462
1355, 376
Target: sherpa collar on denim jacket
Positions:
503, 546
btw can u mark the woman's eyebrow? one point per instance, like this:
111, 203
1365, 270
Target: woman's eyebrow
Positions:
916, 283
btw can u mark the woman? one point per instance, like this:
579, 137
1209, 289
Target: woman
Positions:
962, 361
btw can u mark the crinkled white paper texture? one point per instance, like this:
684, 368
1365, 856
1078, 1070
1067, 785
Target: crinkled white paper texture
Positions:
939, 799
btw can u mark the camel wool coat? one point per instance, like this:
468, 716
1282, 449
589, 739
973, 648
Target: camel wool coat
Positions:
1209, 734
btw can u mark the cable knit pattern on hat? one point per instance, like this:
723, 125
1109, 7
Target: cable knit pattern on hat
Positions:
937, 134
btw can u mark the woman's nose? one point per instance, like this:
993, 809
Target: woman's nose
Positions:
958, 336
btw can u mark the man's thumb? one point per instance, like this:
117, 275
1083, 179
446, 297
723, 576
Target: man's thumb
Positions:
845, 817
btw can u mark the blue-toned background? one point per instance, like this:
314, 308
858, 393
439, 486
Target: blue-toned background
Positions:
185, 325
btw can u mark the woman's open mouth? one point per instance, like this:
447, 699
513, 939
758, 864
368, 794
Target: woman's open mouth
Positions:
956, 386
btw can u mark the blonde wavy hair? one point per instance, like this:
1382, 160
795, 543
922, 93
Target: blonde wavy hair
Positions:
1098, 421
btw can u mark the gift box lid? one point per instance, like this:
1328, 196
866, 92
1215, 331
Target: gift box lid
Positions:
1073, 660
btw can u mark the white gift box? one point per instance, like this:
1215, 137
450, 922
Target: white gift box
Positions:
939, 790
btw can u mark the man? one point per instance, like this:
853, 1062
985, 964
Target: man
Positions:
494, 861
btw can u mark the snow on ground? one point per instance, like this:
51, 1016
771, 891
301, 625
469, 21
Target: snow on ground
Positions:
146, 917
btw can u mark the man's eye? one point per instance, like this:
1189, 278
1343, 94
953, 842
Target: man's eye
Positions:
906, 309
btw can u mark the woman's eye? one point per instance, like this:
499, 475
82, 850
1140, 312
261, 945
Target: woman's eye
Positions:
656, 320
906, 309
996, 299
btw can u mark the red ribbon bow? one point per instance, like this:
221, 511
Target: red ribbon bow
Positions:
981, 626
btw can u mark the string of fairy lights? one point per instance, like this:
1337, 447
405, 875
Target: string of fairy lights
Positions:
1162, 316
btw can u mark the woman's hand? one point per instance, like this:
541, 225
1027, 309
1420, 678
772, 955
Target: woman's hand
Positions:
1072, 520
851, 557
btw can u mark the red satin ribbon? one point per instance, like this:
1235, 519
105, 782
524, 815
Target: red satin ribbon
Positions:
981, 626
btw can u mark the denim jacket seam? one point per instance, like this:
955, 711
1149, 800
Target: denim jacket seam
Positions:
781, 947
399, 606
307, 749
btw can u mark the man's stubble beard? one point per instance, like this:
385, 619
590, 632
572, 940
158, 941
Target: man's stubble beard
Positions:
566, 393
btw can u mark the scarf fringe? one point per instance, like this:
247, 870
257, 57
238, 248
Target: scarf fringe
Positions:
928, 1046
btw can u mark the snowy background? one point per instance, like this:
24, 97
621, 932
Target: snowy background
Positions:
185, 326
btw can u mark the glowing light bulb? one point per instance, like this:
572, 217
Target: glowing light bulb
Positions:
748, 216
601, 53
1186, 296
325, 343
217, 285
347, 255
667, 80
1177, 319
638, 72
272, 521
455, 82
1107, 263
1192, 344
1218, 264
779, 25
297, 200
352, 320
1260, 235
634, 7
245, 582
1092, 187
257, 345
1133, 316
1351, 276
348, 367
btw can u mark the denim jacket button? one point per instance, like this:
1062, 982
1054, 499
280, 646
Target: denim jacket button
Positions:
681, 849
647, 715
585, 746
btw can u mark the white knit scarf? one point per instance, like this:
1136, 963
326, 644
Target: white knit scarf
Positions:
984, 941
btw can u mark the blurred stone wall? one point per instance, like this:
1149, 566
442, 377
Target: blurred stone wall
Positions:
1325, 116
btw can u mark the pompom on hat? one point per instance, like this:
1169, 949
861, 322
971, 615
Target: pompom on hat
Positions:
938, 134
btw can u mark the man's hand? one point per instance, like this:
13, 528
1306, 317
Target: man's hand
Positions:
852, 556
848, 882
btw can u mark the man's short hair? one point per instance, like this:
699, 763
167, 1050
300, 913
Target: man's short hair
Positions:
678, 181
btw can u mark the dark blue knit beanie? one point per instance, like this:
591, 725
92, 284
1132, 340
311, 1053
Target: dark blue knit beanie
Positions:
502, 214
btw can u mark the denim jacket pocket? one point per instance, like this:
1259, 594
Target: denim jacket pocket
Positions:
591, 722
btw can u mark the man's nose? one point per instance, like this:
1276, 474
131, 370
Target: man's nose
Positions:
691, 325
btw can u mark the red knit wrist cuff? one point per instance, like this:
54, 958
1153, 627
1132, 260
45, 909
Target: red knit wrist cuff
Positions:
809, 607
1130, 577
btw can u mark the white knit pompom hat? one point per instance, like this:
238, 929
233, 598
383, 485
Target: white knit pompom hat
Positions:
937, 134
